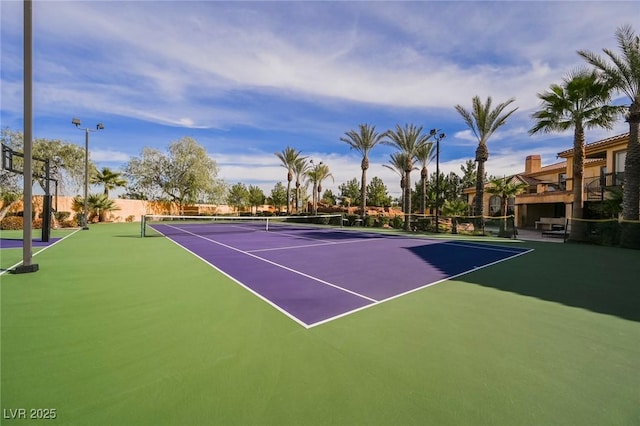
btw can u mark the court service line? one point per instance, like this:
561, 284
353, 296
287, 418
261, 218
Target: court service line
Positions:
278, 265
325, 243
279, 233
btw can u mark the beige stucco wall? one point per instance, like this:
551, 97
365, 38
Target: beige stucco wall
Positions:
128, 208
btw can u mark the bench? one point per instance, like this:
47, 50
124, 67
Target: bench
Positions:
550, 223
356, 222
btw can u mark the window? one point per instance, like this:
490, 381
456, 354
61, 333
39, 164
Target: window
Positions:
621, 156
562, 181
494, 205
618, 167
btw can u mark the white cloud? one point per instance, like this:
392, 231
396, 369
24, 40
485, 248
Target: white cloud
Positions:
108, 156
183, 53
301, 73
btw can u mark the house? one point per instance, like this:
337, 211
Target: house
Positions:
550, 187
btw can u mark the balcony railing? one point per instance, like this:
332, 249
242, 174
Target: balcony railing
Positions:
593, 187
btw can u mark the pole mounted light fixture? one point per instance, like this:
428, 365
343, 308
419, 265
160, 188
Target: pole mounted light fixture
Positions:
76, 122
438, 137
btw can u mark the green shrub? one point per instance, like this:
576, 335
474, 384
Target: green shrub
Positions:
69, 223
351, 219
369, 221
62, 216
396, 222
11, 223
381, 221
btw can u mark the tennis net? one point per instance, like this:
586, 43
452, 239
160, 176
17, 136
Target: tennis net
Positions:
501, 226
165, 225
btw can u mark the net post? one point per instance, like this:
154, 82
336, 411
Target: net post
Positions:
46, 217
142, 225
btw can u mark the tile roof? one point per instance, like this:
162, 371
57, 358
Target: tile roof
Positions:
528, 179
554, 166
596, 144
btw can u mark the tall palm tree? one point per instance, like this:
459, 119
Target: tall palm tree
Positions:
300, 167
288, 157
322, 174
396, 164
424, 155
623, 72
483, 122
363, 142
408, 140
109, 179
316, 174
579, 103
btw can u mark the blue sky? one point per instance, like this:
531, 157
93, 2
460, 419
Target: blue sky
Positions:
247, 79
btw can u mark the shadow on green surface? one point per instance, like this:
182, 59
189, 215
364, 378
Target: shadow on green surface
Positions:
600, 279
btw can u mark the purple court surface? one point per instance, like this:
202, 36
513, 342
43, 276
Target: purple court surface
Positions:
13, 243
314, 276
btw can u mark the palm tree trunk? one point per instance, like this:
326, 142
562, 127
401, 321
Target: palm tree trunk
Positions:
402, 197
289, 196
479, 202
423, 175
630, 235
314, 207
482, 155
630, 198
503, 220
578, 182
407, 200
363, 190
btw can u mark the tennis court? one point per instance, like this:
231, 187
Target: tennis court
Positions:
315, 274
118, 329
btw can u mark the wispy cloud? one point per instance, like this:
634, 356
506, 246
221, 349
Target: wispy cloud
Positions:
249, 78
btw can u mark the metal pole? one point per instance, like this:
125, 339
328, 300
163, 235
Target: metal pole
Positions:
85, 219
437, 183
27, 266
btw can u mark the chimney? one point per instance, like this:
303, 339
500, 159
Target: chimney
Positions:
532, 164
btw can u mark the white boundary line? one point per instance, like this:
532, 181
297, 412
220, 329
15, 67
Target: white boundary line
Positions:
476, 246
38, 252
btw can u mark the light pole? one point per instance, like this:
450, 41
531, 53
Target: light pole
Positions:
438, 137
99, 126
